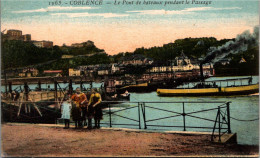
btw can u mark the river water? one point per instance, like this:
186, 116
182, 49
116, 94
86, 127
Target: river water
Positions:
241, 107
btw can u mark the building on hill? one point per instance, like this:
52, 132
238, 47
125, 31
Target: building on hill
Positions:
136, 59
43, 44
78, 45
13, 34
27, 37
88, 43
83, 44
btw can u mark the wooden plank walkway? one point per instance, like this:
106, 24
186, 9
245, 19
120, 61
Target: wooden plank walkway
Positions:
44, 95
35, 96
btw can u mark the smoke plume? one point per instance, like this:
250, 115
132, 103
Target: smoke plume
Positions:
240, 44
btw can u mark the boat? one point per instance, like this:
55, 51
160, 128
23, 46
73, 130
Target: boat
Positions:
139, 87
207, 89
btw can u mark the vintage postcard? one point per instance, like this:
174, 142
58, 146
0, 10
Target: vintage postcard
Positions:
135, 78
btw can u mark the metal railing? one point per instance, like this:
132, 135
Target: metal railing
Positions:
148, 114
141, 119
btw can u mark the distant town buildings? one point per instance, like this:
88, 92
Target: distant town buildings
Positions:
115, 68
56, 73
124, 67
180, 64
29, 72
104, 69
179, 67
93, 70
74, 72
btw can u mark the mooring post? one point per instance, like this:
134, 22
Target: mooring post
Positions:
10, 90
10, 87
26, 91
110, 120
143, 109
81, 84
228, 117
56, 92
219, 129
70, 87
91, 85
39, 85
139, 116
183, 114
5, 81
212, 136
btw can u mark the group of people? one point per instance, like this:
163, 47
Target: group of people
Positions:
80, 108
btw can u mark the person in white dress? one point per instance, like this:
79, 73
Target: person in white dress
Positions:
65, 111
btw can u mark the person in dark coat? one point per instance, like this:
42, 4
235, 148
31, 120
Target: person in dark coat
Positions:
80, 101
94, 109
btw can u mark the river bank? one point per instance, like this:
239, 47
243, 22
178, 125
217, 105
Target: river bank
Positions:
43, 140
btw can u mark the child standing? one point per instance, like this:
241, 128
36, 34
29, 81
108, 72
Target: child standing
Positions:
65, 111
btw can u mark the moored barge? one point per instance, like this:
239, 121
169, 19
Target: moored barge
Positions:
207, 89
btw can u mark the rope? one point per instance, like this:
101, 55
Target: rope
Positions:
244, 120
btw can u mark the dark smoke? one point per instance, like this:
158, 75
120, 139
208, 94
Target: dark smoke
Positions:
241, 43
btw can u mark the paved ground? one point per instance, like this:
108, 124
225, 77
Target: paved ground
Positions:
36, 140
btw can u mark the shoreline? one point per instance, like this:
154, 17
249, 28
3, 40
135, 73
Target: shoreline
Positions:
52, 140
